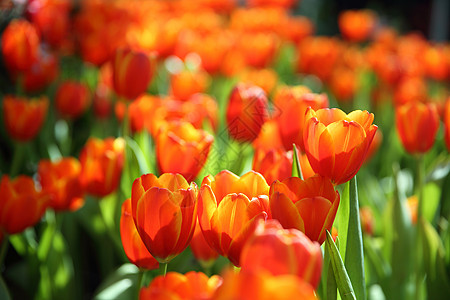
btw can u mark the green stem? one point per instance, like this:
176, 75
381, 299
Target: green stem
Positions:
163, 268
139, 282
19, 150
4, 248
418, 185
354, 255
418, 189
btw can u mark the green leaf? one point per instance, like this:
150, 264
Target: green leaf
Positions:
331, 279
340, 273
342, 218
437, 280
296, 167
4, 293
432, 195
121, 284
354, 255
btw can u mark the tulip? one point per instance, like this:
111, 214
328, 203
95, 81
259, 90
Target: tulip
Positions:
41, 74
187, 83
343, 84
192, 285
367, 220
20, 45
72, 99
282, 251
141, 112
200, 248
269, 137
447, 124
180, 148
309, 206
61, 181
102, 102
164, 211
274, 164
132, 243
357, 25
292, 102
263, 286
271, 3
264, 78
229, 210
101, 165
417, 126
435, 63
336, 143
21, 204
24, 118
410, 89
132, 72
246, 112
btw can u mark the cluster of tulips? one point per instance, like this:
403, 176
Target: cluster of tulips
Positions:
215, 147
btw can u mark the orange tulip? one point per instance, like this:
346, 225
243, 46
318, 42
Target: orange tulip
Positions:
412, 204
101, 165
274, 164
61, 181
21, 205
417, 125
200, 248
141, 112
447, 123
72, 99
24, 118
180, 148
164, 211
309, 206
307, 171
132, 73
259, 49
229, 210
192, 285
367, 220
264, 78
269, 137
435, 63
271, 3
263, 286
410, 89
132, 243
292, 102
282, 251
246, 112
374, 146
336, 143
357, 25
343, 84
187, 83
20, 45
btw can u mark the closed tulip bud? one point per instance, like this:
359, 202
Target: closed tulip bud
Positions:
417, 125
192, 285
21, 204
164, 211
274, 164
309, 206
72, 99
41, 74
292, 102
200, 248
61, 181
101, 165
20, 45
263, 286
132, 243
132, 73
229, 210
336, 143
357, 25
180, 148
282, 251
24, 118
246, 112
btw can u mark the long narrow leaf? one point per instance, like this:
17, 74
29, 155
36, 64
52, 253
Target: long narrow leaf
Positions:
340, 273
354, 255
296, 167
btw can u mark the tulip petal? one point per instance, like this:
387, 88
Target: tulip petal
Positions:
284, 210
313, 212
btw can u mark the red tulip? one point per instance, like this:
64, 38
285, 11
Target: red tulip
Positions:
164, 211
309, 206
21, 205
132, 72
246, 112
61, 181
24, 118
447, 123
72, 99
200, 248
132, 243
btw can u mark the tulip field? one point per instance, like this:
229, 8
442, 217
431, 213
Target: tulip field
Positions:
223, 150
